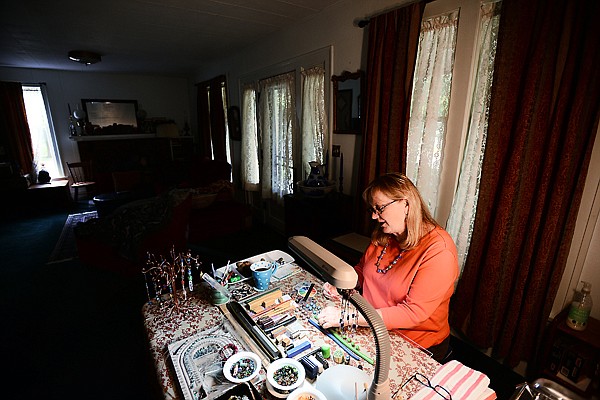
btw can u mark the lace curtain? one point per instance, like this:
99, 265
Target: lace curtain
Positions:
277, 120
250, 174
430, 104
462, 215
314, 118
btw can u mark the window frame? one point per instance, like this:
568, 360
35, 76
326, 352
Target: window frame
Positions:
52, 133
317, 57
273, 214
461, 95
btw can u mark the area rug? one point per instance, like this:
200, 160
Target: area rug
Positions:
66, 248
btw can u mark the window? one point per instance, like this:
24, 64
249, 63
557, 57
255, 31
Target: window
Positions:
212, 118
430, 104
314, 117
45, 152
250, 174
462, 215
448, 122
275, 146
277, 113
224, 101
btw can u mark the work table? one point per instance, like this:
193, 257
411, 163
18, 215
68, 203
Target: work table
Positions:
200, 314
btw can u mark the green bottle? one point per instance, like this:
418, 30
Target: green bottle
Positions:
580, 309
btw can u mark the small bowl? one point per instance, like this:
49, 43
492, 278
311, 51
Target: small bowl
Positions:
244, 359
277, 388
306, 392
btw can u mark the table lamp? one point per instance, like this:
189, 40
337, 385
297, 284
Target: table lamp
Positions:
340, 274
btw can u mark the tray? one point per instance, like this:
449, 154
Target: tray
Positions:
198, 361
284, 259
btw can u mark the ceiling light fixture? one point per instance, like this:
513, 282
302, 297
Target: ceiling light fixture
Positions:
84, 57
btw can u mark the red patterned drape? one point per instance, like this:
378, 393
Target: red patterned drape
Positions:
392, 52
14, 127
211, 118
543, 119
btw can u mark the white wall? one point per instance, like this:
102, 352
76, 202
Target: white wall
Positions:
159, 96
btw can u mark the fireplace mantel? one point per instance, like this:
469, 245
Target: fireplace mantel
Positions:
154, 155
90, 138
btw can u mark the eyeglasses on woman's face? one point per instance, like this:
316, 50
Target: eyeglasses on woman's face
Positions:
379, 209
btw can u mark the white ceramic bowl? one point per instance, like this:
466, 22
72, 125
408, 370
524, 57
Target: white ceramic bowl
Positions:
306, 392
277, 389
233, 362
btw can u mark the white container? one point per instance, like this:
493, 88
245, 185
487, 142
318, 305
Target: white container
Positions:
306, 392
580, 309
241, 359
276, 388
344, 382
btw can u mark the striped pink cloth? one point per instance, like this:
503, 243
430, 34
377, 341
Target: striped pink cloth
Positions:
461, 381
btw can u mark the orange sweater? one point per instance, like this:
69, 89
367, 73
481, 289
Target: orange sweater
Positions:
414, 295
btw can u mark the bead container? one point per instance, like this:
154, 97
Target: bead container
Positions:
242, 367
284, 376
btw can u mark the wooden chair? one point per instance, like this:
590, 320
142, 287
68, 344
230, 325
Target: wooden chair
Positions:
82, 176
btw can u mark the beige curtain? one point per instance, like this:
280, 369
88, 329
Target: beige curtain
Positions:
250, 173
462, 215
277, 122
430, 104
314, 118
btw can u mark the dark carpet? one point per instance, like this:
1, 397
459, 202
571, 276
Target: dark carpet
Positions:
68, 331
74, 332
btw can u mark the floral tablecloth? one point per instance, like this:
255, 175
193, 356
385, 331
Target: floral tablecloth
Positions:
199, 314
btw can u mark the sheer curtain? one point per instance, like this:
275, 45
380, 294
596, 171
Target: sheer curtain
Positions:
45, 154
250, 173
430, 103
314, 117
278, 122
462, 215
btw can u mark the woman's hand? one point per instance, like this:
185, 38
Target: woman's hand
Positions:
331, 292
329, 317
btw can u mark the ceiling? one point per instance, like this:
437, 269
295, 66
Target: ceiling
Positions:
170, 37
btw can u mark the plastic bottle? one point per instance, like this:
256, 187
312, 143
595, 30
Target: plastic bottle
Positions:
581, 306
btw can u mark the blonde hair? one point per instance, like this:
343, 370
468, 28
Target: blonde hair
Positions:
398, 187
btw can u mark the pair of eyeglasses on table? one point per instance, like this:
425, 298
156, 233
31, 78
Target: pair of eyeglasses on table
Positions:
423, 380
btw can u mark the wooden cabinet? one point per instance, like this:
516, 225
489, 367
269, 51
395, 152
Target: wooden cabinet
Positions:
572, 358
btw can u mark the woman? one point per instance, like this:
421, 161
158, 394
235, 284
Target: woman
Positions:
408, 271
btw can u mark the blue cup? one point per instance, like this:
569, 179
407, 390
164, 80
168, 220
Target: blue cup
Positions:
262, 272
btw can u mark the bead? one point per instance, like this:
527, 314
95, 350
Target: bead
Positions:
286, 375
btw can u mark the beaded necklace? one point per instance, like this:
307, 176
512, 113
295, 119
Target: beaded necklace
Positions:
386, 269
